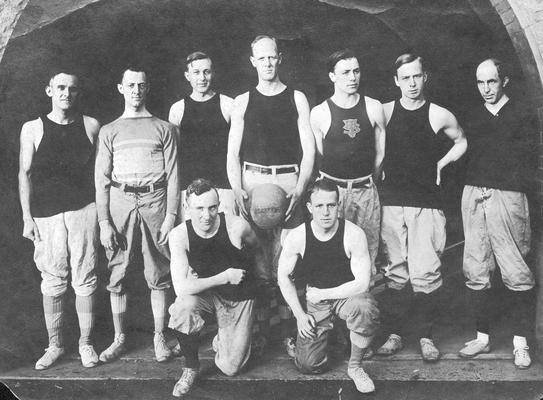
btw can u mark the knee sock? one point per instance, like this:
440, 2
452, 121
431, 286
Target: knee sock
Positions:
53, 309
84, 306
118, 311
427, 306
160, 309
395, 305
355, 360
480, 301
189, 348
522, 302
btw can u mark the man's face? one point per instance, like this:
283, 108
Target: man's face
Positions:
266, 59
134, 89
204, 210
346, 76
200, 75
490, 85
324, 208
63, 90
410, 78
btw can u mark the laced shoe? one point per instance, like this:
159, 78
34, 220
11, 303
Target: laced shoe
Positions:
115, 350
52, 354
429, 350
185, 383
290, 346
89, 358
162, 351
362, 381
391, 346
176, 350
522, 357
474, 347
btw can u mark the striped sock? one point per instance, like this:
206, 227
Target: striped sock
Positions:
53, 312
118, 311
160, 309
84, 306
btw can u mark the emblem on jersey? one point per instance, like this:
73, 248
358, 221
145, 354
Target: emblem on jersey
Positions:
351, 127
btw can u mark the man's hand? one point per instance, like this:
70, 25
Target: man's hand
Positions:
306, 326
241, 197
30, 230
313, 295
295, 198
234, 276
108, 236
440, 166
167, 225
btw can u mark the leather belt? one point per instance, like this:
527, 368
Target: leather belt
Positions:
139, 189
353, 183
269, 170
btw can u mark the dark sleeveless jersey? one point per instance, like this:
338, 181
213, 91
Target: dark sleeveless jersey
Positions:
211, 256
325, 264
270, 133
62, 169
349, 144
204, 142
412, 152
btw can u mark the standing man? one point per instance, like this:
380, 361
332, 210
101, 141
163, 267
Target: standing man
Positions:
495, 209
56, 190
270, 141
137, 195
212, 274
203, 119
413, 223
333, 257
349, 133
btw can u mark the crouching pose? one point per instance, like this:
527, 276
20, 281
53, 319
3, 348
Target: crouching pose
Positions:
336, 264
212, 273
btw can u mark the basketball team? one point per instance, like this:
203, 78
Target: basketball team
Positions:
357, 174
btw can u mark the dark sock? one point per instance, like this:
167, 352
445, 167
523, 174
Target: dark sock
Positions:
189, 348
522, 303
427, 306
480, 302
394, 305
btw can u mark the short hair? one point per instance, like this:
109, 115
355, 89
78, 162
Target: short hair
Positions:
337, 56
501, 67
260, 37
407, 58
321, 184
53, 73
200, 186
134, 68
197, 55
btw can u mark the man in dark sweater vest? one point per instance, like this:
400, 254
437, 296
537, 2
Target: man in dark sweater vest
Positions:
495, 208
349, 133
332, 257
57, 199
413, 223
212, 272
203, 119
270, 141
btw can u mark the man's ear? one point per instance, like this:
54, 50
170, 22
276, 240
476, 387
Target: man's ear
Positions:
120, 88
49, 91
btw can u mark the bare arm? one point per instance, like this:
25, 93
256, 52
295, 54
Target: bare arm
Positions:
177, 111
308, 149
185, 282
233, 161
26, 156
319, 118
378, 120
356, 248
444, 119
227, 104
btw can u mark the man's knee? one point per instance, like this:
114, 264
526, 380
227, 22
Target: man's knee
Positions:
184, 315
363, 315
311, 363
85, 288
53, 286
230, 367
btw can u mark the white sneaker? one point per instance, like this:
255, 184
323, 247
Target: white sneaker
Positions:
522, 357
162, 350
52, 354
115, 350
185, 383
89, 358
362, 381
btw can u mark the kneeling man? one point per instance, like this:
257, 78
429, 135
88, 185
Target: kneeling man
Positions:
334, 260
211, 271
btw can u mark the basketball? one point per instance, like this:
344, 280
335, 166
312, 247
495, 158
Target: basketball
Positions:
267, 205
